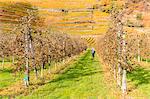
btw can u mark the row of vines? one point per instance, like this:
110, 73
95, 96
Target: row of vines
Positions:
120, 49
29, 42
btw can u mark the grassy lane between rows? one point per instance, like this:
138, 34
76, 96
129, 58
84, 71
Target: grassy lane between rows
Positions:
14, 88
83, 80
7, 77
139, 81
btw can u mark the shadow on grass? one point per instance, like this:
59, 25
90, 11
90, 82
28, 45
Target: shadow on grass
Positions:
148, 60
140, 76
6, 70
78, 72
81, 68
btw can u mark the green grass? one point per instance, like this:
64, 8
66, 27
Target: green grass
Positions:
140, 80
6, 76
148, 60
84, 79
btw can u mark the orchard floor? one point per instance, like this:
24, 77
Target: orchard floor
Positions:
83, 80
7, 77
139, 81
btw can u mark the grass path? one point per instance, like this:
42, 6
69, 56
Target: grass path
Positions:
15, 87
83, 80
139, 81
7, 77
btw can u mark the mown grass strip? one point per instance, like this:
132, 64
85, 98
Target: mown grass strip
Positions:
139, 83
84, 79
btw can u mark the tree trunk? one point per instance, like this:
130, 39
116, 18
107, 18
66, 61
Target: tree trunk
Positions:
27, 52
147, 60
42, 70
33, 57
119, 54
63, 51
42, 63
124, 55
3, 61
119, 75
124, 82
139, 59
115, 73
13, 59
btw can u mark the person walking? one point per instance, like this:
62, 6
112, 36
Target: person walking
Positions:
93, 53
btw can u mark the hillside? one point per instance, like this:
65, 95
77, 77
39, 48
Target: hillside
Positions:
73, 17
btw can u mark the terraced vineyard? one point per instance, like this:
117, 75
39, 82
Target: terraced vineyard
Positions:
73, 17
